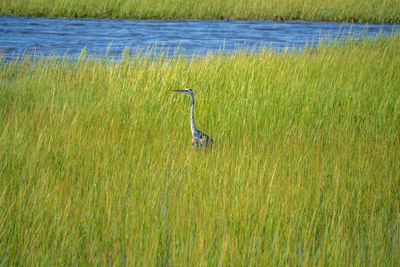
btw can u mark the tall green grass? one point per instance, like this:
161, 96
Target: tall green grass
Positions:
333, 10
96, 165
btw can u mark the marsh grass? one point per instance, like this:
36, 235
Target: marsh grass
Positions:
96, 165
334, 10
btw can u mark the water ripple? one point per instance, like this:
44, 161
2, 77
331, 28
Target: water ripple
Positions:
70, 36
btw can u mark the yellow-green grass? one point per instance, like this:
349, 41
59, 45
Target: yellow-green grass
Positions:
96, 163
333, 10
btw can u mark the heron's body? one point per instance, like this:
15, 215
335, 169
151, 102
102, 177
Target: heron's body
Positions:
199, 138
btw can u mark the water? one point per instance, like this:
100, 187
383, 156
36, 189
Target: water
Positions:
69, 36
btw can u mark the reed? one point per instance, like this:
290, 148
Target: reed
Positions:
96, 166
334, 10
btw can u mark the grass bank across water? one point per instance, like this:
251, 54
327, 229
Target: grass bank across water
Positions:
321, 10
96, 165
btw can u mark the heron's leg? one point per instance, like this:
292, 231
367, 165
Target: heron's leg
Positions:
194, 143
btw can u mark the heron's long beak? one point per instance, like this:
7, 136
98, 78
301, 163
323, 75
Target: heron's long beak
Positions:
182, 91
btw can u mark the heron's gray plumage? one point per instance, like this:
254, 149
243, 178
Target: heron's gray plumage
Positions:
199, 138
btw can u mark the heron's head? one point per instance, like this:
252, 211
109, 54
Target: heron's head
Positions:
187, 91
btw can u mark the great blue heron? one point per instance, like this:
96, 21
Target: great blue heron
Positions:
199, 138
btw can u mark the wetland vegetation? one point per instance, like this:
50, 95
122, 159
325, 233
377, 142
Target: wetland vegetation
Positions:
334, 10
96, 165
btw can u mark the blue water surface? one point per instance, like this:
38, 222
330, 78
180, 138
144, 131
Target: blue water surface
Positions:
194, 37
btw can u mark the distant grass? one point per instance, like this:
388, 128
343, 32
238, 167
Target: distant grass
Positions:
333, 10
96, 165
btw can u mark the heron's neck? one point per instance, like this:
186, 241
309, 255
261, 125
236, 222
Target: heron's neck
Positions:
192, 125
